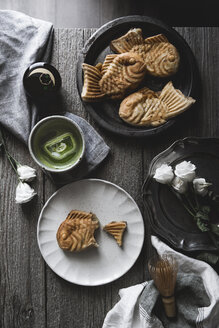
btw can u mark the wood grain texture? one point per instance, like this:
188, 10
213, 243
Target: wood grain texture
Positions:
31, 295
22, 270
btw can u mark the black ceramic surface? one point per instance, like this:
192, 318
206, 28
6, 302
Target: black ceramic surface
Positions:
96, 49
41, 81
165, 212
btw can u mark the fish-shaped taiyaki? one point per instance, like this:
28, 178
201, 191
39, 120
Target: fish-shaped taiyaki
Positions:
114, 78
76, 233
133, 39
116, 229
149, 108
160, 56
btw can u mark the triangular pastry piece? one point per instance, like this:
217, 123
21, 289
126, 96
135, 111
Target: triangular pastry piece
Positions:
76, 233
116, 229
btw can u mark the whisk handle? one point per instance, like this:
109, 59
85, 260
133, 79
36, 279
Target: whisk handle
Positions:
169, 306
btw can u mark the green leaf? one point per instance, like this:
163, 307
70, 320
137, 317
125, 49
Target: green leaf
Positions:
202, 216
208, 257
203, 226
206, 209
215, 228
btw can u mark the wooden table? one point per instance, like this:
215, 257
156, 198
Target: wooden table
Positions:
31, 295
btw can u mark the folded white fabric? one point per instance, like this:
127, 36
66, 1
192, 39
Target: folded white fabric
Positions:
129, 313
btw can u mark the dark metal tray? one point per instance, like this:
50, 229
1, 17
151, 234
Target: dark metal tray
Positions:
97, 47
164, 211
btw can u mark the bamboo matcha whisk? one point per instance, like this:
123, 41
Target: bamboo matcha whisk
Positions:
163, 271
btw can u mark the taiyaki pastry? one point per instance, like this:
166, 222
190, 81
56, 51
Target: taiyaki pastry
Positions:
160, 56
76, 233
116, 229
114, 78
131, 41
149, 108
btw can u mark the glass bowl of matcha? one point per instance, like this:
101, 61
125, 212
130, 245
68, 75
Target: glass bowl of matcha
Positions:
56, 144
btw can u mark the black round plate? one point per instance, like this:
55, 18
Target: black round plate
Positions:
96, 49
165, 212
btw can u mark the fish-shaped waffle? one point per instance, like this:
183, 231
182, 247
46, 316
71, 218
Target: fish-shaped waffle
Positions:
116, 229
149, 108
76, 233
160, 56
133, 39
114, 78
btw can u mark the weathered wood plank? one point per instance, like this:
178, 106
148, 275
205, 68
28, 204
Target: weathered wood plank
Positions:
22, 281
205, 45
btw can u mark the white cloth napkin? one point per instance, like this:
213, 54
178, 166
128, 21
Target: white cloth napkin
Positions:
128, 313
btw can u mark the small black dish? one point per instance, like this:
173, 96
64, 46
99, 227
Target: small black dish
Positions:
97, 47
41, 81
166, 214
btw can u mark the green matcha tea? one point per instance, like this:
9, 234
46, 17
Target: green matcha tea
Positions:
57, 144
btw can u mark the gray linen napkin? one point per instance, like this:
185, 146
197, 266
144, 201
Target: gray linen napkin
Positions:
190, 296
23, 41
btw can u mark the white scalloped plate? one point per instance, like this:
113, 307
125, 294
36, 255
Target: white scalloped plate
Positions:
94, 266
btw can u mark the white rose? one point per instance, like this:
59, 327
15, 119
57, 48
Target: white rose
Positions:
201, 186
180, 185
24, 193
164, 174
26, 173
185, 171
